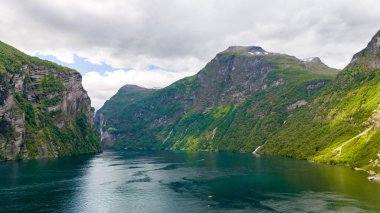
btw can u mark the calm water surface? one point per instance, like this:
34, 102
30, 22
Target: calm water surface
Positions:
163, 181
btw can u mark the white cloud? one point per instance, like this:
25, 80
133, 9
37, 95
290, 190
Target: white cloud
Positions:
101, 87
181, 36
63, 55
131, 32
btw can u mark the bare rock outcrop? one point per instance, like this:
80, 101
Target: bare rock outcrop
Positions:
297, 104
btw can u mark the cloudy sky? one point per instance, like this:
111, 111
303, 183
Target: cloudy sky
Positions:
152, 43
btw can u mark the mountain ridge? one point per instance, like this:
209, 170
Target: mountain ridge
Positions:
223, 85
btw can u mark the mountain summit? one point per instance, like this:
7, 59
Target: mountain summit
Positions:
370, 56
253, 50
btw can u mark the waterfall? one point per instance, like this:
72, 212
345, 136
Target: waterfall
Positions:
101, 126
258, 148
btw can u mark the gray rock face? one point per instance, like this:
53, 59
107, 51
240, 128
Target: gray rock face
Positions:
68, 102
74, 97
276, 83
13, 122
232, 80
370, 55
375, 177
297, 104
315, 86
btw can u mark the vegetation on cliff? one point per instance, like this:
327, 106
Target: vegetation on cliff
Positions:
44, 111
341, 125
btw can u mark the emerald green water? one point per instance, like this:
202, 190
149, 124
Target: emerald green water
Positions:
163, 181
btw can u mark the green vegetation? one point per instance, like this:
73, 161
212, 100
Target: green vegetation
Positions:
336, 116
12, 60
50, 84
341, 125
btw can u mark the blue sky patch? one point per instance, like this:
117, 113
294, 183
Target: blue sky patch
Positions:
80, 64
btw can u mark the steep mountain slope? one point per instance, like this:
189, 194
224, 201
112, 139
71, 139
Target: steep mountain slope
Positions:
44, 110
342, 124
233, 104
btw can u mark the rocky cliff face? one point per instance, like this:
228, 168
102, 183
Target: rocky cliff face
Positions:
368, 58
44, 110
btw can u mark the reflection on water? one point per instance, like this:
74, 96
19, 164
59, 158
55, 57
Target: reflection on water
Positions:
162, 181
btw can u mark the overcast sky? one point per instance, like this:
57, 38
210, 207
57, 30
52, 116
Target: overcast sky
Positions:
152, 43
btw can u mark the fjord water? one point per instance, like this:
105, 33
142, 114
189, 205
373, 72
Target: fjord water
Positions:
164, 181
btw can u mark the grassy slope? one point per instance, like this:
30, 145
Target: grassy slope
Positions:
11, 60
341, 125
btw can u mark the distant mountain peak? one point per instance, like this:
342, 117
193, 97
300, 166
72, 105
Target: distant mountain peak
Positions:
369, 55
313, 59
245, 48
131, 88
252, 50
373, 46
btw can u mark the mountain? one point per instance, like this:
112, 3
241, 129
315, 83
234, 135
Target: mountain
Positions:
247, 99
235, 103
44, 110
126, 97
341, 125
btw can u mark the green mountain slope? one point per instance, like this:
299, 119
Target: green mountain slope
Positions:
341, 125
44, 110
127, 97
235, 103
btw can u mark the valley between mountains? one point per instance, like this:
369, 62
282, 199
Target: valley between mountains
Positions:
245, 99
